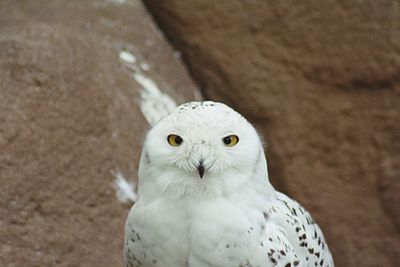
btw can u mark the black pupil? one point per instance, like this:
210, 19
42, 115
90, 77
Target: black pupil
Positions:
227, 140
178, 140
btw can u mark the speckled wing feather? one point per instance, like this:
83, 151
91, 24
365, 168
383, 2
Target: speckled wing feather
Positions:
294, 239
288, 237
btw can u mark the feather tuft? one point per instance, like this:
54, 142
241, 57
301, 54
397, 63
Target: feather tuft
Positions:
125, 191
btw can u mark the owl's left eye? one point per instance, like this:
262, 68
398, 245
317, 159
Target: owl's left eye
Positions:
230, 140
174, 140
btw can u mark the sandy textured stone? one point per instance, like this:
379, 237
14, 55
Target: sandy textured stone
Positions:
69, 119
321, 82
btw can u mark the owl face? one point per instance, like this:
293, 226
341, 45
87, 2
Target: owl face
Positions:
201, 141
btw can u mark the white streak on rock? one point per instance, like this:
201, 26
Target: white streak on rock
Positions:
177, 54
154, 104
118, 1
125, 191
127, 57
145, 66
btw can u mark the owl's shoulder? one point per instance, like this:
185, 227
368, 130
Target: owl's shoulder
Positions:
291, 226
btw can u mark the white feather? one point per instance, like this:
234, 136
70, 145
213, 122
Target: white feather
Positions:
125, 191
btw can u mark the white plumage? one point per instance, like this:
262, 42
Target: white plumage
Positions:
205, 200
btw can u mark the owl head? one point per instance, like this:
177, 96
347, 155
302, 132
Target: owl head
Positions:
201, 148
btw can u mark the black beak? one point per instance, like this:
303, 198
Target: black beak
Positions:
200, 168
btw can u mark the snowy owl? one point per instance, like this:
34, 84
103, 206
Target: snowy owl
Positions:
204, 199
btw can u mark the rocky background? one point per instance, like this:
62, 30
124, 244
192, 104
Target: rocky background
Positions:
70, 120
321, 81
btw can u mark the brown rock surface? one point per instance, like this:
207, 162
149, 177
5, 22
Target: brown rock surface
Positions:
321, 80
69, 118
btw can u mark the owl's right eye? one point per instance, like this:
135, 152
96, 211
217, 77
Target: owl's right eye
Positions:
174, 140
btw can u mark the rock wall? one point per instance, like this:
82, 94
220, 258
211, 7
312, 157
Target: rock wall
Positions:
70, 120
321, 81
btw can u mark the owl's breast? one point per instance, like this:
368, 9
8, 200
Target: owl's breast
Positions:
224, 233
186, 233
156, 235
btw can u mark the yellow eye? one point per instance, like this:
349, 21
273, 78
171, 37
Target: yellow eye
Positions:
174, 140
230, 140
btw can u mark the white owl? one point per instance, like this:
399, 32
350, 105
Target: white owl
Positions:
204, 199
